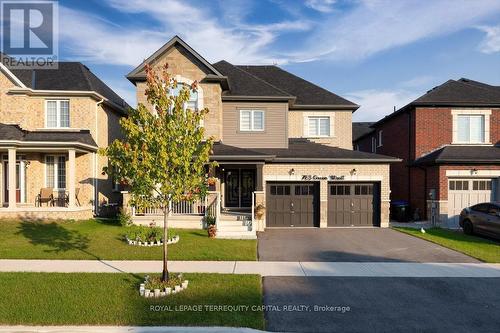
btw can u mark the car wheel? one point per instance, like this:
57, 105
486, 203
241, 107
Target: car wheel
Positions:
468, 228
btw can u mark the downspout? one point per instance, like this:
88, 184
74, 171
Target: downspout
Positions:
95, 182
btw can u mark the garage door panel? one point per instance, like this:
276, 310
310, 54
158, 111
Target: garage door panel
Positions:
291, 204
351, 204
464, 193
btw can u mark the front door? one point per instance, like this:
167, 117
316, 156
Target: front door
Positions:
19, 181
239, 186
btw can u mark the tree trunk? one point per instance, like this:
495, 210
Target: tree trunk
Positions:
164, 276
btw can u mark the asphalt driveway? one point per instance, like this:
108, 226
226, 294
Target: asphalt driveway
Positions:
358, 304
351, 245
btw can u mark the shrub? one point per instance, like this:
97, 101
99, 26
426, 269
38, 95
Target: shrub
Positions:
124, 218
210, 220
155, 282
146, 234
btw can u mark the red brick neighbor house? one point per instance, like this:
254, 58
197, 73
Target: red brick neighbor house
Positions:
449, 141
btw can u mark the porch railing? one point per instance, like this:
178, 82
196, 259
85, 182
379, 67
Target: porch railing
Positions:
201, 207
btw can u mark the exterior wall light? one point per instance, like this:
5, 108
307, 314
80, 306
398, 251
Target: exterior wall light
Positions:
473, 171
354, 172
291, 172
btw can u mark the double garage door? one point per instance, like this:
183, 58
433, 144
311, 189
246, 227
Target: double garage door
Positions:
297, 204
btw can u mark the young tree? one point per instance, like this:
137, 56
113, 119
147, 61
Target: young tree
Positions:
164, 153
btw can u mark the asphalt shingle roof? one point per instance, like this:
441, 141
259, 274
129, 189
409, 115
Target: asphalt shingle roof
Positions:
306, 92
461, 154
69, 76
360, 129
15, 133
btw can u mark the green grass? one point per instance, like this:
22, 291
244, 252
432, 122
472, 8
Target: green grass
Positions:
477, 247
113, 299
103, 239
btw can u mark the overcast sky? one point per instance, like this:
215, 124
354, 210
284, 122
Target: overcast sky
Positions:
377, 53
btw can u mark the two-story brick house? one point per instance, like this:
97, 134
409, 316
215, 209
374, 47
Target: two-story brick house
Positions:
52, 122
449, 141
280, 141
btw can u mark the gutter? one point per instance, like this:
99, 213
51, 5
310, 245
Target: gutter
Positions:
352, 107
44, 144
258, 98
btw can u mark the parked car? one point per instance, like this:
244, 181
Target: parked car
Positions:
483, 218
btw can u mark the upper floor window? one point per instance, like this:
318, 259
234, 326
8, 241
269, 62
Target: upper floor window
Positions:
379, 139
57, 113
319, 126
470, 128
252, 120
192, 103
374, 144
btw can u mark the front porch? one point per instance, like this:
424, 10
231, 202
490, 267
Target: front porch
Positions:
46, 183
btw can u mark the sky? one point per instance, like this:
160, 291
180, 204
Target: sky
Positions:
379, 54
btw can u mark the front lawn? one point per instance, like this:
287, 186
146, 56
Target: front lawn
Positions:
477, 247
113, 299
103, 239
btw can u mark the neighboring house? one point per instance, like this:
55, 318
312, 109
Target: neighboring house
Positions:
281, 141
361, 129
52, 122
449, 142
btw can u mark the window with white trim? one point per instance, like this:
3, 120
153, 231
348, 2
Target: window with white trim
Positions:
57, 113
379, 139
55, 171
252, 120
192, 103
318, 126
470, 128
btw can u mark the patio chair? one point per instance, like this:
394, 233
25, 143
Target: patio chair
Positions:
77, 191
46, 195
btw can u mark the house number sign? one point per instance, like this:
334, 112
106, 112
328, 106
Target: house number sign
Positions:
316, 177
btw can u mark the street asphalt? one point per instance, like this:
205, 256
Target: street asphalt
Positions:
352, 245
360, 304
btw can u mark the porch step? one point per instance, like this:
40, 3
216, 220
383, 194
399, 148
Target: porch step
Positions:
232, 227
234, 230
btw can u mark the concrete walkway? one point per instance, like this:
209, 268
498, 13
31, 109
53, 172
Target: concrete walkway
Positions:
365, 269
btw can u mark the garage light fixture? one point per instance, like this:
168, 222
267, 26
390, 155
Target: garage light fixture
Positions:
291, 172
473, 171
353, 172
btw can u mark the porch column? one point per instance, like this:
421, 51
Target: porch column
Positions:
12, 177
71, 177
260, 179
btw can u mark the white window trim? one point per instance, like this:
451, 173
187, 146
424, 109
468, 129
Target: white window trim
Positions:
305, 124
58, 113
252, 127
308, 119
379, 138
56, 170
473, 112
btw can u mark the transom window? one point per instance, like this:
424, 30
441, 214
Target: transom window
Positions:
57, 113
470, 128
55, 171
252, 120
319, 126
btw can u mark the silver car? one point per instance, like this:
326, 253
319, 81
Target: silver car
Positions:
483, 218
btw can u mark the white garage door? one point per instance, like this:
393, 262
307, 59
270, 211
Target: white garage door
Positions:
464, 193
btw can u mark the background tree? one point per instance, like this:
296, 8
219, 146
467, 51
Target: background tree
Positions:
164, 153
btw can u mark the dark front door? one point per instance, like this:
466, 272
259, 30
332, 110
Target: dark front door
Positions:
239, 186
291, 204
352, 205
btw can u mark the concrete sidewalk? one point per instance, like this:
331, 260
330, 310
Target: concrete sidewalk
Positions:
366, 269
121, 329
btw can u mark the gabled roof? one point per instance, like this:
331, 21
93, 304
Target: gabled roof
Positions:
138, 72
461, 154
67, 76
307, 94
463, 92
360, 129
13, 134
244, 84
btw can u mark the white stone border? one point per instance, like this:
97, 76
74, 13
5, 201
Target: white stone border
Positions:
172, 240
157, 293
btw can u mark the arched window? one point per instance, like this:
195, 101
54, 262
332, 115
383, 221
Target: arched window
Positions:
192, 103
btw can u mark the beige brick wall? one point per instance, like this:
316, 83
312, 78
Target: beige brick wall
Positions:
364, 172
340, 127
185, 66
